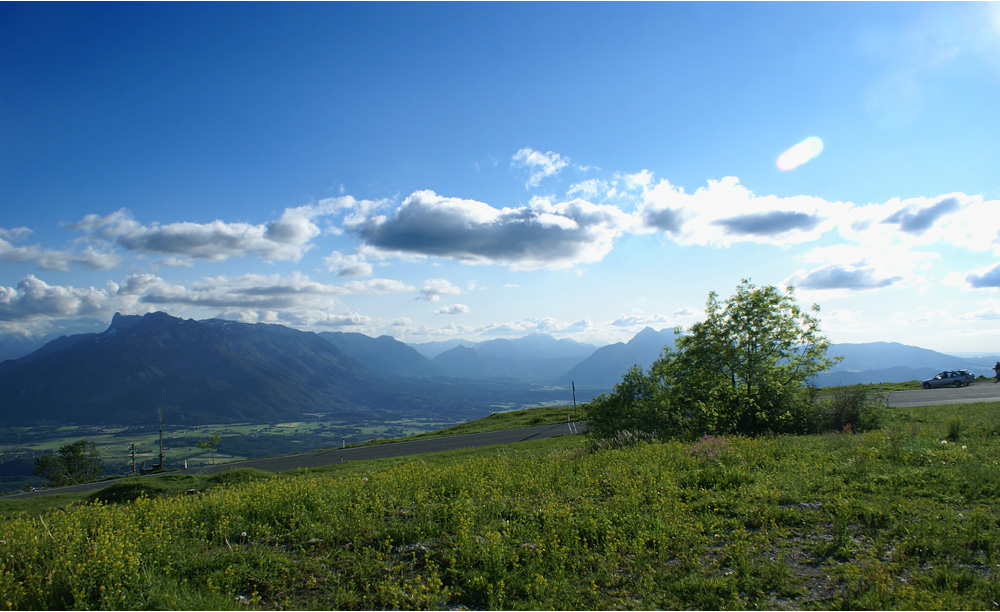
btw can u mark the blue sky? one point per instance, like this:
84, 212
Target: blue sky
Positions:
493, 170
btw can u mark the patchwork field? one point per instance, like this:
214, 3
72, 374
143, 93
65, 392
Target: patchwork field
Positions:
19, 445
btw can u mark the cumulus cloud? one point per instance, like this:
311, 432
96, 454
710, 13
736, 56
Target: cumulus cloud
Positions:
917, 220
434, 288
965, 221
988, 278
540, 235
52, 259
668, 220
291, 300
297, 318
454, 309
284, 239
378, 285
268, 292
34, 298
836, 276
539, 165
725, 212
347, 265
770, 223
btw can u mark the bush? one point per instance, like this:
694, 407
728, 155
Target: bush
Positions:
624, 439
125, 491
848, 409
954, 428
239, 476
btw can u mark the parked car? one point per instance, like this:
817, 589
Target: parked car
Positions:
950, 378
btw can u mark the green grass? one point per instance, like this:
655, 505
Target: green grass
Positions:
512, 419
901, 518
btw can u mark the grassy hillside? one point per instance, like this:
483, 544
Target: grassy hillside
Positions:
905, 517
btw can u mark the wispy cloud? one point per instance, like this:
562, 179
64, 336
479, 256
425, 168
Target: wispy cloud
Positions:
540, 165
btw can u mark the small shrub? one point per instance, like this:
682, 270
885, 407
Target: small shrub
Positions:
126, 491
624, 439
849, 410
954, 428
239, 476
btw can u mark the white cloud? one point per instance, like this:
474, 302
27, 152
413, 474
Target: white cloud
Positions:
378, 285
284, 239
966, 221
53, 259
540, 235
454, 309
34, 298
638, 319
987, 277
591, 188
307, 318
540, 165
347, 265
266, 292
434, 288
725, 212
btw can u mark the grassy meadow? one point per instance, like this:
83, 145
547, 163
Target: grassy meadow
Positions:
901, 518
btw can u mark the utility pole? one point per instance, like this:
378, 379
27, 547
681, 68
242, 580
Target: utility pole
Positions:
159, 412
572, 425
133, 458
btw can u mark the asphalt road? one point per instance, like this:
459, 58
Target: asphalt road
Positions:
987, 391
360, 453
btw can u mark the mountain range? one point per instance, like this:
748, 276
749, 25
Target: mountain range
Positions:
224, 371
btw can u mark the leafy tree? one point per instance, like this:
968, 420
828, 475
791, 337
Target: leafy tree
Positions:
75, 463
743, 369
210, 444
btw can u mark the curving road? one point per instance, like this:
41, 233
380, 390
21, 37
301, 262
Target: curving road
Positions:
987, 391
359, 453
978, 392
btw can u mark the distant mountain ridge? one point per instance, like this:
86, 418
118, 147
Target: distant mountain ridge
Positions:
895, 362
535, 358
224, 371
384, 355
229, 370
608, 364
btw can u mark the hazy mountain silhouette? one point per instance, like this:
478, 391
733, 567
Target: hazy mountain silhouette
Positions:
198, 371
608, 364
384, 355
218, 371
536, 358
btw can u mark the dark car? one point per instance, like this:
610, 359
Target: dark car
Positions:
950, 378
